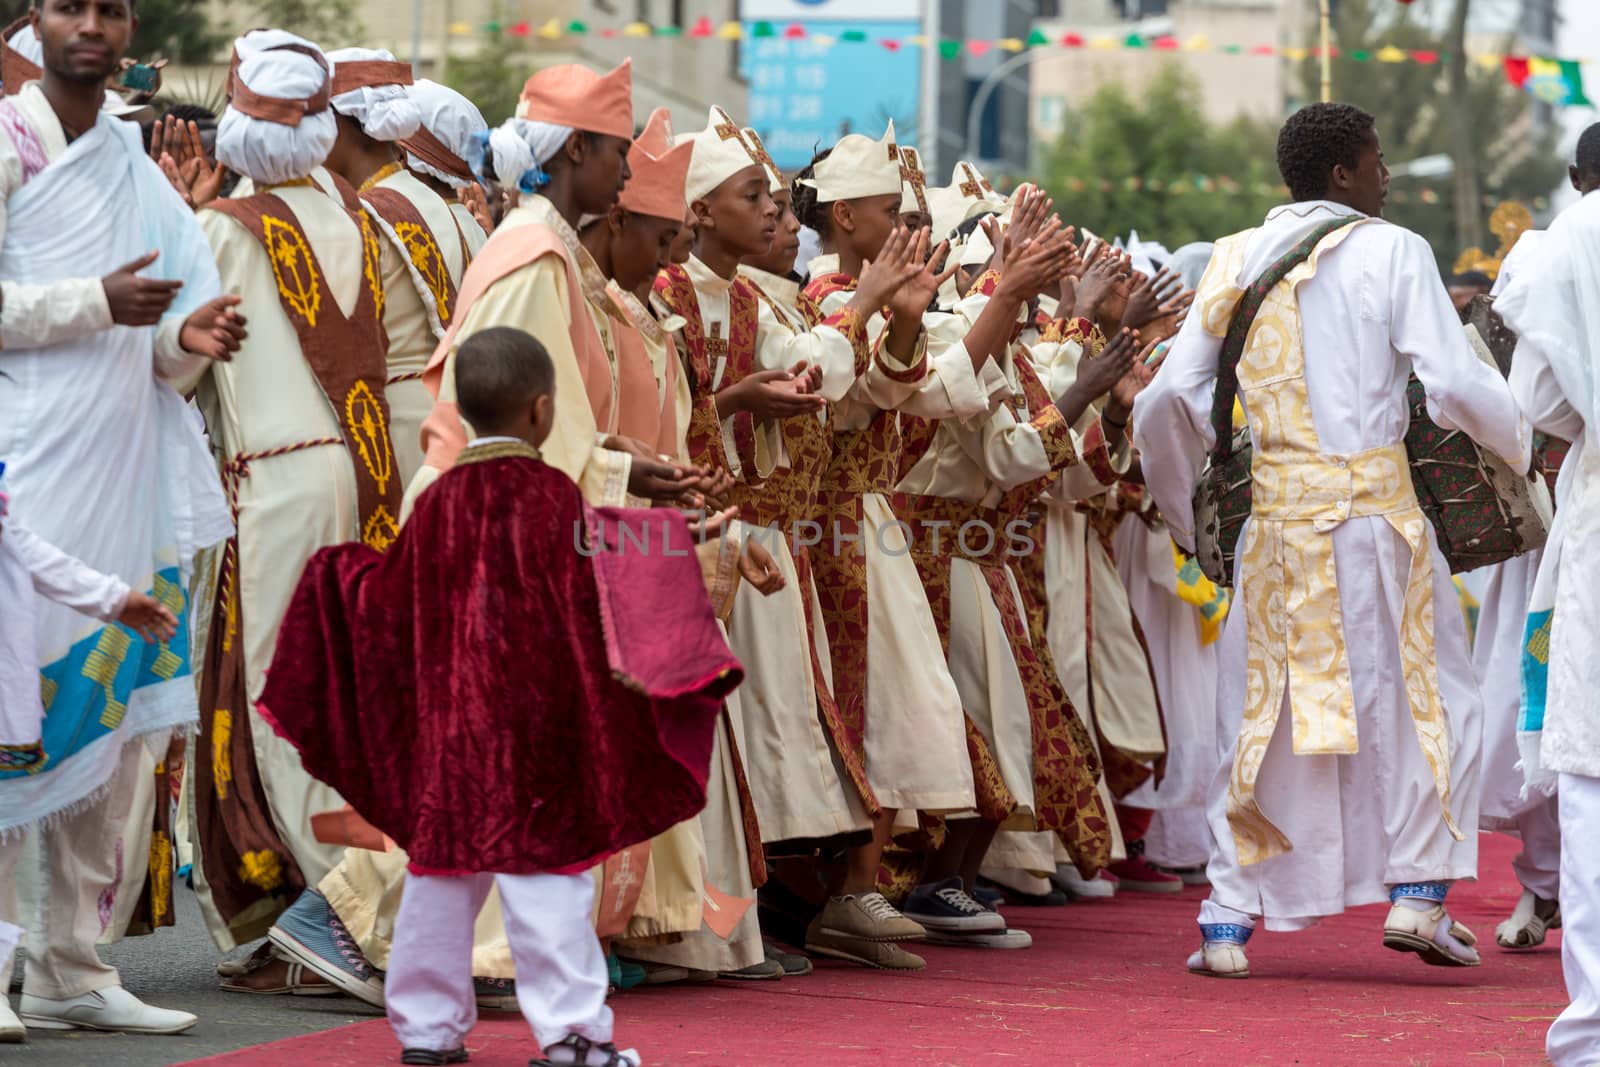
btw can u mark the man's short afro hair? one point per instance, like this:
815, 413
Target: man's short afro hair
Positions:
1316, 139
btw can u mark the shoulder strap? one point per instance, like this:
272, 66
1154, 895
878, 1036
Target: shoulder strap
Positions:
1244, 316
402, 223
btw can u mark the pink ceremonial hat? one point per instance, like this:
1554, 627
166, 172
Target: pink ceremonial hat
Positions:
657, 185
656, 137
573, 95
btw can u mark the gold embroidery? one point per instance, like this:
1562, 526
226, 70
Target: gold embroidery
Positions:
429, 261
369, 432
168, 592
262, 869
221, 751
370, 259
101, 668
47, 692
160, 877
1539, 642
1294, 620
381, 175
381, 529
292, 267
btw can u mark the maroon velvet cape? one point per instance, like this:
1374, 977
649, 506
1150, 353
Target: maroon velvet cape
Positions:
508, 689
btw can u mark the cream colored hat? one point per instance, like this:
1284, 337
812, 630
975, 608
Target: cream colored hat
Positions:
858, 166
913, 183
720, 152
761, 153
968, 195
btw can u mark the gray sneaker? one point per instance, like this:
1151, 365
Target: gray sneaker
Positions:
312, 935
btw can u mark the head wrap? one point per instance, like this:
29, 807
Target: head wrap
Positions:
21, 56
277, 126
442, 143
369, 86
518, 150
576, 97
858, 167
968, 195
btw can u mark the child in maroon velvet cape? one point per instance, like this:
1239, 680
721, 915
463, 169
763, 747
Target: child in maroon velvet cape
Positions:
521, 686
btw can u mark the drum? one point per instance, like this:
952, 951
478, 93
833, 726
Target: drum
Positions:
1482, 511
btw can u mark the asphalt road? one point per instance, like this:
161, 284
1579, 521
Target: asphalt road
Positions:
176, 968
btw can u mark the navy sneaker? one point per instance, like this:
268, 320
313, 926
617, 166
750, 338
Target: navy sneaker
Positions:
310, 934
946, 906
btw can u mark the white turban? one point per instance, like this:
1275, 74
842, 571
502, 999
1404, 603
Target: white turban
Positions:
269, 153
451, 118
26, 44
385, 112
519, 149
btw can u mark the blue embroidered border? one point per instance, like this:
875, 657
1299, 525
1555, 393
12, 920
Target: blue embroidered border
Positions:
1226, 933
1434, 891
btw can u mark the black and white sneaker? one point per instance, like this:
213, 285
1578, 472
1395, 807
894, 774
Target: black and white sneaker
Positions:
947, 906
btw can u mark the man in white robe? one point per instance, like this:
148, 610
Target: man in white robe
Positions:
1552, 308
1361, 795
106, 467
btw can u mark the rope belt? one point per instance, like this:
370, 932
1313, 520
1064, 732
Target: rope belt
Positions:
237, 469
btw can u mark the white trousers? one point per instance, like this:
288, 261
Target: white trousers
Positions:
83, 858
1538, 865
561, 973
1574, 1039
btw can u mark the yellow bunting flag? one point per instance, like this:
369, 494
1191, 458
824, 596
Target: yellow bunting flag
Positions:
731, 31
1390, 54
551, 30
636, 29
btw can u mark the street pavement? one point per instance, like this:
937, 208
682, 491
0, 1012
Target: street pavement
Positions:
176, 968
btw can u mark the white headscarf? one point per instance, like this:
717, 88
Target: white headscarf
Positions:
450, 117
27, 45
518, 149
385, 112
269, 152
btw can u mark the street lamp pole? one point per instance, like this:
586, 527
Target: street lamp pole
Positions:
986, 88
928, 134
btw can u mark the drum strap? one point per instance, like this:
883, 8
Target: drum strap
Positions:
1233, 346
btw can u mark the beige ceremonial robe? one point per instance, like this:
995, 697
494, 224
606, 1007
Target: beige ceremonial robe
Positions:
290, 505
414, 315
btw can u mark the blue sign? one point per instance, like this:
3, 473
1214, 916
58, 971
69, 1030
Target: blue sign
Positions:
804, 96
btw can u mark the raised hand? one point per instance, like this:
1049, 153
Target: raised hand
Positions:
915, 294
473, 196
1099, 374
136, 301
1150, 295
883, 276
1095, 286
1140, 374
214, 330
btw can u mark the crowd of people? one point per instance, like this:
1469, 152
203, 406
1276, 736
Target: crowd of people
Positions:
502, 566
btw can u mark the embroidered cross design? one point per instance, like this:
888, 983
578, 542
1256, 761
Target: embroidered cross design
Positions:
911, 173
729, 132
974, 186
717, 353
762, 156
623, 880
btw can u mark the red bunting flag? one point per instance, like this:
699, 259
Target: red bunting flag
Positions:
521, 29
795, 31
1072, 40
702, 28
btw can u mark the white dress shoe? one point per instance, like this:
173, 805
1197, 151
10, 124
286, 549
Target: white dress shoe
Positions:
1220, 959
113, 1009
12, 1032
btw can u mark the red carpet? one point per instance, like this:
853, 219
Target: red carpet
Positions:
1104, 984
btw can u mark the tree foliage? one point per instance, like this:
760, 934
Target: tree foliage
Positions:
178, 30
492, 77
1172, 176
330, 23
1517, 157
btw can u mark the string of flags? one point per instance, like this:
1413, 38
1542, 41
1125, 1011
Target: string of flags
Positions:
1209, 184
1538, 74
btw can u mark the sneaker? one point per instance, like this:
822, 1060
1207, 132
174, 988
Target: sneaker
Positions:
310, 934
12, 1032
112, 1009
765, 971
1139, 875
1004, 939
883, 955
495, 994
947, 906
865, 917
1077, 887
794, 965
988, 896
1051, 897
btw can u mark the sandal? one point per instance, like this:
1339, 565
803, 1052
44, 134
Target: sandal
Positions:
584, 1052
252, 976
